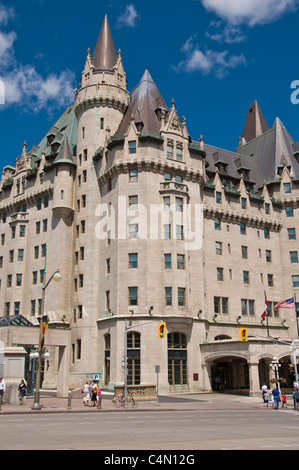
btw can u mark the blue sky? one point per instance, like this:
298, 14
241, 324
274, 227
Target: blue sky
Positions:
214, 57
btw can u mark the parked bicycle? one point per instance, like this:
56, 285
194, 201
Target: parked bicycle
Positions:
120, 400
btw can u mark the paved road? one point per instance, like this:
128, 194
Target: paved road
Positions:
185, 430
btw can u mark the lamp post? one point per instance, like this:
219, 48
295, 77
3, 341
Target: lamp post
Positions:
274, 366
57, 277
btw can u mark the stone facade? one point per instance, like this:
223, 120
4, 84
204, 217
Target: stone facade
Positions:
147, 225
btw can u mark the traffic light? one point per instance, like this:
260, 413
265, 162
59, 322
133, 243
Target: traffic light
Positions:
292, 369
243, 334
161, 329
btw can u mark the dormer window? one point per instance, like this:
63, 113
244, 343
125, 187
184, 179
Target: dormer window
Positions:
50, 139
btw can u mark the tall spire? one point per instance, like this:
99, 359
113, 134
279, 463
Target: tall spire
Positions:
104, 56
255, 123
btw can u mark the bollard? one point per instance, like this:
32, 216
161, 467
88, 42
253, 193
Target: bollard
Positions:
99, 400
69, 400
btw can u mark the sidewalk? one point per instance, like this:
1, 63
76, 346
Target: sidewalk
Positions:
201, 401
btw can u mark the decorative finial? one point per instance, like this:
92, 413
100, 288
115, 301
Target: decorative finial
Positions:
173, 103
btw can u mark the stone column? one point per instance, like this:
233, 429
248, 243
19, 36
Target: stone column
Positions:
254, 382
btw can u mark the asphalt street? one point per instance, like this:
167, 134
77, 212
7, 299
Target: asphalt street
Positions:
195, 425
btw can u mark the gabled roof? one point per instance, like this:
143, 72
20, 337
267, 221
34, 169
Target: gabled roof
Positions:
255, 123
104, 56
145, 101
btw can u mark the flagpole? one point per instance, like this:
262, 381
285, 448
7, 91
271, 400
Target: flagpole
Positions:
267, 313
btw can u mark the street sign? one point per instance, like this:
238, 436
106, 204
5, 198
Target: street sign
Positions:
96, 377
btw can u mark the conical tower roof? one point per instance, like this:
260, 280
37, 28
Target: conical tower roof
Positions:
104, 56
64, 155
145, 100
255, 123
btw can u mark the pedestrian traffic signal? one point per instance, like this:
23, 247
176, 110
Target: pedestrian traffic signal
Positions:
243, 334
161, 329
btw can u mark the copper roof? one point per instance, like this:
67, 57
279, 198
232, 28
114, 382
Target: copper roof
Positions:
145, 102
104, 56
255, 123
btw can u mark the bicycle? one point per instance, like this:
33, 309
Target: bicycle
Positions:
121, 402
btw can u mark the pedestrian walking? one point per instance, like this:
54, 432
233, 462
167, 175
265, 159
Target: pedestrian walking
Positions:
276, 395
266, 398
2, 390
297, 399
264, 390
86, 394
99, 397
22, 391
284, 401
294, 398
94, 389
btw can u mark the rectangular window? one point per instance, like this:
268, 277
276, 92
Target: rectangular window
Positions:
36, 252
251, 308
79, 345
13, 232
133, 231
218, 197
179, 204
167, 232
244, 306
179, 154
133, 260
133, 203
11, 256
167, 260
270, 280
246, 277
289, 211
295, 280
168, 295
34, 277
217, 223
266, 232
217, 304
133, 296
44, 250
292, 233
243, 202
17, 306
37, 228
287, 188
267, 208
218, 248
220, 274
169, 151
133, 176
33, 305
242, 228
7, 309
45, 225
225, 305
181, 296
81, 280
268, 256
244, 250
18, 280
108, 266
166, 201
179, 232
294, 256
180, 261
132, 146
22, 231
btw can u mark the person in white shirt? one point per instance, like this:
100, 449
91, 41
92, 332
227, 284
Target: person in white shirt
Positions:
2, 389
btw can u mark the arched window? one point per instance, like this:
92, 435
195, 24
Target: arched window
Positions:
133, 351
177, 359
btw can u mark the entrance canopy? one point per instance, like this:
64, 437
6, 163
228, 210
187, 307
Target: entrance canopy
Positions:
16, 320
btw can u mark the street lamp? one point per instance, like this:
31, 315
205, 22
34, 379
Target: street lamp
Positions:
275, 367
41, 354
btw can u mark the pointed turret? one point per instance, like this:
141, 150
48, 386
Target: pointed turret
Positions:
64, 155
255, 123
146, 101
104, 56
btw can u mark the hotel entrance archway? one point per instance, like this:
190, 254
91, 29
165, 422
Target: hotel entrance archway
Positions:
229, 373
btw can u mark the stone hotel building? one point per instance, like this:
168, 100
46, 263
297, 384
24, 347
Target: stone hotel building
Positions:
147, 225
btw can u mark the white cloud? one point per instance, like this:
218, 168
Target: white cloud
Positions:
225, 33
129, 17
251, 12
208, 61
23, 85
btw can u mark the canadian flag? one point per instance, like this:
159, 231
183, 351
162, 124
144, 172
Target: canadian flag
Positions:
264, 314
